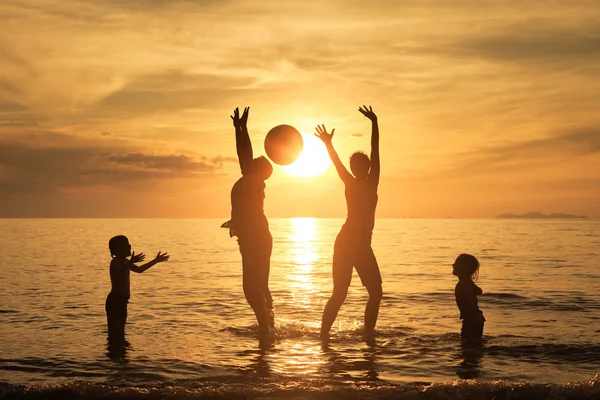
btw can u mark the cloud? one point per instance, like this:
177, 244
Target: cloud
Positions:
173, 163
8, 107
46, 161
519, 157
170, 91
535, 43
575, 143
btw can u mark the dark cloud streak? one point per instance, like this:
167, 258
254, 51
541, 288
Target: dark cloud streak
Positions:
46, 162
171, 91
572, 144
522, 43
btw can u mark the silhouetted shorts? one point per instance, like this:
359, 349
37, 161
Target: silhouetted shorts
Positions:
350, 250
116, 315
256, 262
472, 329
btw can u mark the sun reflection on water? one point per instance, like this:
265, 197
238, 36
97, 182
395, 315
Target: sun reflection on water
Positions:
304, 255
305, 287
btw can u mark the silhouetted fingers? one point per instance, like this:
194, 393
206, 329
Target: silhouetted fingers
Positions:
332, 131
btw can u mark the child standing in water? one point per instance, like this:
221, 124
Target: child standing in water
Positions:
466, 268
116, 302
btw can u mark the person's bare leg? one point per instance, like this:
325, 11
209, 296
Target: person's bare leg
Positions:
372, 309
331, 310
257, 302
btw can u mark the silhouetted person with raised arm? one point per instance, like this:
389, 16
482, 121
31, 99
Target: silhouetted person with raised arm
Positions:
249, 223
353, 244
120, 266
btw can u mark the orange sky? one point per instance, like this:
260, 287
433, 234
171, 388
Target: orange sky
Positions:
121, 107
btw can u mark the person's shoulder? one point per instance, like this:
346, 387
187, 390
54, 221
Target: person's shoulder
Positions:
351, 182
256, 182
238, 184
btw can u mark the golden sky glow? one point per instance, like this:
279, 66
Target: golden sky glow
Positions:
121, 108
313, 159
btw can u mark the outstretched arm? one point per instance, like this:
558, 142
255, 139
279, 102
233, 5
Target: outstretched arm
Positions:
375, 163
141, 268
326, 138
242, 139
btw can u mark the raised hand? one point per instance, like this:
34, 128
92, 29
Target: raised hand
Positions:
323, 135
137, 258
368, 112
161, 257
236, 117
244, 117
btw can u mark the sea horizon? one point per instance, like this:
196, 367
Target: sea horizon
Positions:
225, 218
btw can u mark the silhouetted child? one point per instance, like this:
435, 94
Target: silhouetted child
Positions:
466, 268
116, 302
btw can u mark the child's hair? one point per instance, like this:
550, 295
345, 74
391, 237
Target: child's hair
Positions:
359, 164
262, 167
115, 242
469, 264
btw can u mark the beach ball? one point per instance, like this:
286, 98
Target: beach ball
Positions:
283, 144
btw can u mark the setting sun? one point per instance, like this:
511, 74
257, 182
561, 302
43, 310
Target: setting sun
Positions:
313, 160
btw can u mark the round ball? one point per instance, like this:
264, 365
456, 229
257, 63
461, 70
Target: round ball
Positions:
283, 144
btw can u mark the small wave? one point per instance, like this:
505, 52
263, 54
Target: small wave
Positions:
290, 329
449, 294
556, 352
241, 388
504, 296
283, 330
559, 302
9, 311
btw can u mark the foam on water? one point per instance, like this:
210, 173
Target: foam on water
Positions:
309, 389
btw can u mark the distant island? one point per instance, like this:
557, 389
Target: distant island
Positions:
540, 215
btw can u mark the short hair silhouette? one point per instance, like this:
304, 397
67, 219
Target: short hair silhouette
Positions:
360, 164
262, 167
115, 242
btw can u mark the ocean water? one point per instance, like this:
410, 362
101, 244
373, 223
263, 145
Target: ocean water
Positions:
192, 334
